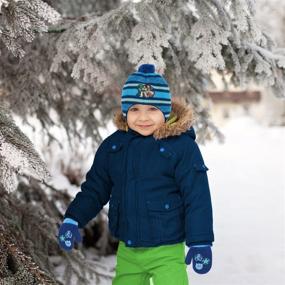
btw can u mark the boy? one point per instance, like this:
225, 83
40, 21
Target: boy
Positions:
153, 175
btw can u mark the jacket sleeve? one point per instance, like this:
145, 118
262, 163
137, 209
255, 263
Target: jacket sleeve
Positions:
95, 190
191, 176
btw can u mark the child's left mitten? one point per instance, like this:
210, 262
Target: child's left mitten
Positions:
202, 258
68, 233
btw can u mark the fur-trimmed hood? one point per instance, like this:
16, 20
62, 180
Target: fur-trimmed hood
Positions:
180, 121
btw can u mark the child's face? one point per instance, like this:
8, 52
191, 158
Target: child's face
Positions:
144, 119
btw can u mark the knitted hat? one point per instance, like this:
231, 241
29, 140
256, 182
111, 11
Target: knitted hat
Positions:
146, 87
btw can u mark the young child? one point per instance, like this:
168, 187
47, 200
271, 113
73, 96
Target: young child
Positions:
153, 175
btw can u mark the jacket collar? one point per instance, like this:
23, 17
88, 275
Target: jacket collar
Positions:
180, 121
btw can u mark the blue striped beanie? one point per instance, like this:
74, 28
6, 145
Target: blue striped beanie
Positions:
146, 87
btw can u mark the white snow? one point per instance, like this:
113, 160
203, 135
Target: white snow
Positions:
247, 180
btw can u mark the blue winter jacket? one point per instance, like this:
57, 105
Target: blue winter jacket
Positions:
156, 185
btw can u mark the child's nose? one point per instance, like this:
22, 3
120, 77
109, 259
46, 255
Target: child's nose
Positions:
143, 115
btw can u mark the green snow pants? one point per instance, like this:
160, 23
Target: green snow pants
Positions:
165, 264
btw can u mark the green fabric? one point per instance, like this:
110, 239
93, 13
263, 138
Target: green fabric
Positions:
165, 264
172, 119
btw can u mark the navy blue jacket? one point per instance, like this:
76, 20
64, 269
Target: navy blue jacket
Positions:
157, 185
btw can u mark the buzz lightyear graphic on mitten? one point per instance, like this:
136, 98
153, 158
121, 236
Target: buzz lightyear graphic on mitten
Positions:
200, 261
66, 238
68, 233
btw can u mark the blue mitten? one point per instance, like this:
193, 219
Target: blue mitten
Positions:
202, 258
68, 232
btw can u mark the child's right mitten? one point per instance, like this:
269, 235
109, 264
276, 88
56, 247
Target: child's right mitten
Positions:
201, 255
68, 233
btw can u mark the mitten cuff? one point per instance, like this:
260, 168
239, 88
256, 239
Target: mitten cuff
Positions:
70, 221
199, 243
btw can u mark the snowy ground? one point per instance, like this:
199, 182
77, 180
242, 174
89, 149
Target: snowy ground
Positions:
246, 176
247, 179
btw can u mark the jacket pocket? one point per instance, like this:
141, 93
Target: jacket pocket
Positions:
166, 219
113, 216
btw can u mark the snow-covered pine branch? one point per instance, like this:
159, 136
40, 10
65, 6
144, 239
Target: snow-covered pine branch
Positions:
142, 32
21, 20
17, 154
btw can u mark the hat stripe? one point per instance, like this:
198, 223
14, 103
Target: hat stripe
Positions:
132, 92
157, 87
134, 97
164, 107
144, 100
142, 82
147, 80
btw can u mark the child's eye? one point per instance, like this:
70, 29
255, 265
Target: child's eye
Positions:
151, 108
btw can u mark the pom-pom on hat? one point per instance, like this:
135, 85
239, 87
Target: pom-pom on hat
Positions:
146, 87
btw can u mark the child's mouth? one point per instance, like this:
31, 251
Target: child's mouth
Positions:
144, 126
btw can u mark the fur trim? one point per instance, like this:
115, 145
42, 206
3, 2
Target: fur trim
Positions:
180, 109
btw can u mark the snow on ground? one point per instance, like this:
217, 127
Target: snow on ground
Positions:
247, 179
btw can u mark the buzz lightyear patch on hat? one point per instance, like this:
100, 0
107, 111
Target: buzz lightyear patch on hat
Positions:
145, 90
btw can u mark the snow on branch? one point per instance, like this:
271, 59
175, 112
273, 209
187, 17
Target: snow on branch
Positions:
17, 154
22, 20
142, 31
4, 3
226, 36
148, 35
134, 26
205, 44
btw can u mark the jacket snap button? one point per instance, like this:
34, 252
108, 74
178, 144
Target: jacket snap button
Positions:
166, 206
162, 149
129, 241
114, 146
